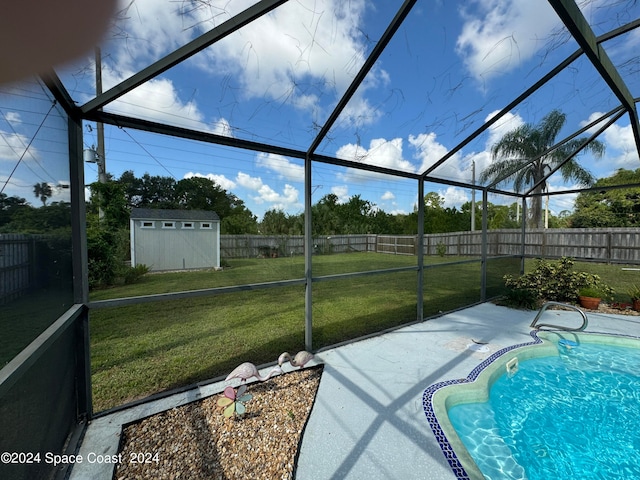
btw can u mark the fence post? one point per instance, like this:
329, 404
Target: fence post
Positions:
483, 273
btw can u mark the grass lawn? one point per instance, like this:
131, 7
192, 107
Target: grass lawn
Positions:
144, 349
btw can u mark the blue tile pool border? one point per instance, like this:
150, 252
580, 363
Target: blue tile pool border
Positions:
427, 397
427, 405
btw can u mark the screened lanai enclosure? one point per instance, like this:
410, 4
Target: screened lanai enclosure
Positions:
291, 109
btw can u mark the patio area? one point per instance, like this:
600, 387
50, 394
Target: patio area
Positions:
368, 420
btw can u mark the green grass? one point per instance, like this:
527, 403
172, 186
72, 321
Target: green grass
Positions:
144, 349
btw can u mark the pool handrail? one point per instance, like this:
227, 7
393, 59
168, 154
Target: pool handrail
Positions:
546, 305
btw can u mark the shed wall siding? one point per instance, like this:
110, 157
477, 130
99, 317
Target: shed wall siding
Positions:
175, 248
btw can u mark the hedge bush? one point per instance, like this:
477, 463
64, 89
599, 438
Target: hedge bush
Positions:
552, 281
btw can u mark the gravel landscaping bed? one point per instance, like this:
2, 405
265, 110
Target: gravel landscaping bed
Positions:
196, 441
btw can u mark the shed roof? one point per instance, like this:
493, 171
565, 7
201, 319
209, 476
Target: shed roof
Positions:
169, 214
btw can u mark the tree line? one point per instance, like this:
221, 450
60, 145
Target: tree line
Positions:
330, 216
596, 208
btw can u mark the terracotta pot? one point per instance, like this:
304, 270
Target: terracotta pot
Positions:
636, 305
590, 303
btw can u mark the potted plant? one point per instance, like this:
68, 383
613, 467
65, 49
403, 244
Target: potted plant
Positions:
634, 293
590, 297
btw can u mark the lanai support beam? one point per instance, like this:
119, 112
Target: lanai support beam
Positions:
581, 31
381, 44
212, 36
308, 254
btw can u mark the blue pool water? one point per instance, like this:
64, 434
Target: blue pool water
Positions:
574, 416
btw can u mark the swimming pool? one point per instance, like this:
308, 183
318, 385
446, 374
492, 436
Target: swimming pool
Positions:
566, 410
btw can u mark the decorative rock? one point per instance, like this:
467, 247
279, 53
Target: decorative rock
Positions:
195, 441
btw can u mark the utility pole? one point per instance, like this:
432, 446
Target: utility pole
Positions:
102, 167
101, 160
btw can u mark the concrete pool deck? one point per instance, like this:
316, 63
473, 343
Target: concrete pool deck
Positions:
368, 420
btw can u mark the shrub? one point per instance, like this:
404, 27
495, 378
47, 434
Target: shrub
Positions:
441, 249
634, 292
556, 281
107, 251
590, 291
103, 262
522, 298
133, 274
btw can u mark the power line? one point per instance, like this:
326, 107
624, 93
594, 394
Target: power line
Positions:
53, 104
148, 153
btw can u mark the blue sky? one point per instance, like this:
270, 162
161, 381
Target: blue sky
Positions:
448, 69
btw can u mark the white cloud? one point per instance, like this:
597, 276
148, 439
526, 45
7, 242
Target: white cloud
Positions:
13, 117
390, 205
507, 123
289, 198
221, 180
249, 182
454, 197
146, 30
222, 127
13, 145
495, 132
481, 159
303, 54
499, 35
342, 192
298, 53
398, 211
30, 167
158, 100
429, 151
281, 165
621, 150
558, 203
621, 138
381, 153
388, 196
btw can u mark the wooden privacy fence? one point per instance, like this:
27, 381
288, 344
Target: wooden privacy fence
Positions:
252, 246
16, 265
18, 269
618, 245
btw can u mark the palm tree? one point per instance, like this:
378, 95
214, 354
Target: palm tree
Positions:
42, 191
523, 157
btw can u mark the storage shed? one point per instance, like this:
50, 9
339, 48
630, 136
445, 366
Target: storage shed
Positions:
175, 239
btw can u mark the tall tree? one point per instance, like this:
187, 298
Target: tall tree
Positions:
277, 222
199, 193
609, 208
325, 217
158, 192
519, 157
132, 188
10, 206
42, 191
